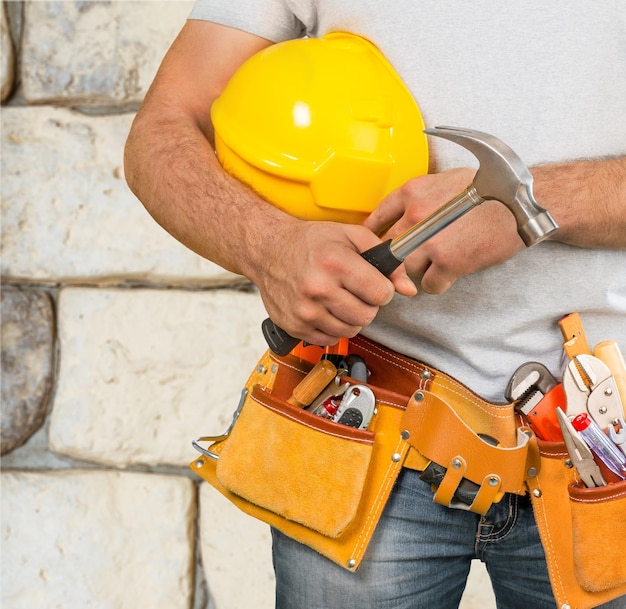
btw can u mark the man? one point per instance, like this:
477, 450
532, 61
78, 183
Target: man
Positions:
547, 79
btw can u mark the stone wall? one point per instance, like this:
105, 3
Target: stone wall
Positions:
119, 346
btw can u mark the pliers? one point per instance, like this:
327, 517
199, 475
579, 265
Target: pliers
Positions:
590, 387
580, 454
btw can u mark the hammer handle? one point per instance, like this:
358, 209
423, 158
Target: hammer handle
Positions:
389, 255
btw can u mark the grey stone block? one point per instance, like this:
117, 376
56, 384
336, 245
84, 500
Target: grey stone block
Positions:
94, 53
27, 363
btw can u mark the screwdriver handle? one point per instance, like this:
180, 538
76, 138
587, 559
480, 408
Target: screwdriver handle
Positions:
313, 383
380, 256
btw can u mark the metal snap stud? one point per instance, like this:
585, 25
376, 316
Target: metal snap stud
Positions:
405, 435
419, 396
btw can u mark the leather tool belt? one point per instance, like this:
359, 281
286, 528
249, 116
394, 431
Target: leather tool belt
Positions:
326, 484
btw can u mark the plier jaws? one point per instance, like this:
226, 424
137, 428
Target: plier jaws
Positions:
580, 454
590, 388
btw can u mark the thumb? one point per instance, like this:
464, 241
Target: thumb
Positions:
402, 282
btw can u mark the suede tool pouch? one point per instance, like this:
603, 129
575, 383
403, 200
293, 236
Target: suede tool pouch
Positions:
319, 482
582, 531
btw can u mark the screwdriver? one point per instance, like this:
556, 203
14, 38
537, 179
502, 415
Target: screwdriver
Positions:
313, 383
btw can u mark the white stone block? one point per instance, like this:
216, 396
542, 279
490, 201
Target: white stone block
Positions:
67, 213
478, 592
96, 539
96, 53
144, 372
236, 554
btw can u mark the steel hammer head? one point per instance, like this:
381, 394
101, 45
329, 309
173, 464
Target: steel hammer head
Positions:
503, 176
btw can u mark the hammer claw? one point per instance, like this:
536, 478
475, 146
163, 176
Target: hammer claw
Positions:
503, 176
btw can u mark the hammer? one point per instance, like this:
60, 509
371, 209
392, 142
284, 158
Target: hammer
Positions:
501, 176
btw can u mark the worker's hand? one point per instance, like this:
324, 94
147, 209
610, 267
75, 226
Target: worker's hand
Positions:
484, 237
317, 287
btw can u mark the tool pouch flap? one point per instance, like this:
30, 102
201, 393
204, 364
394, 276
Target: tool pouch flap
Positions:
438, 432
292, 462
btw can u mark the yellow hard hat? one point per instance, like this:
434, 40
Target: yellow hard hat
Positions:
323, 128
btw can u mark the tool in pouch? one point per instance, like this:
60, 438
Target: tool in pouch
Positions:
583, 410
501, 176
321, 393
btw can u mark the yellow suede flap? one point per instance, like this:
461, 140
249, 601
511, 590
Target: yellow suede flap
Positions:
296, 464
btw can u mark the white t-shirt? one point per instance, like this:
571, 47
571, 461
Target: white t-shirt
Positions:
549, 79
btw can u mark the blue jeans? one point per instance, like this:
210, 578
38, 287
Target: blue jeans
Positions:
419, 558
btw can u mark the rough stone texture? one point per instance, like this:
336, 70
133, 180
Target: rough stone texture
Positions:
145, 372
96, 539
67, 213
27, 356
96, 53
236, 554
7, 56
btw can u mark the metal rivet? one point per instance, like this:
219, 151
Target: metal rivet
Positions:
396, 457
419, 396
493, 481
351, 563
260, 369
425, 375
603, 409
405, 435
456, 464
532, 472
199, 463
565, 606
608, 392
569, 464
274, 368
537, 493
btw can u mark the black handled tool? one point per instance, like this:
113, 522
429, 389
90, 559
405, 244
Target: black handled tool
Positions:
501, 176
384, 256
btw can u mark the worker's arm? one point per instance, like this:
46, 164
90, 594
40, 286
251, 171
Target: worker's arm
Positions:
312, 280
586, 198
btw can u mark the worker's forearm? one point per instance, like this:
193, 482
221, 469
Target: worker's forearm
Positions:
587, 199
172, 169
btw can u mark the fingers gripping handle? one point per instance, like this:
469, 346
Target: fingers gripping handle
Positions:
380, 256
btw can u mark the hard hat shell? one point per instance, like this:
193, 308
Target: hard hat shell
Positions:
323, 128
